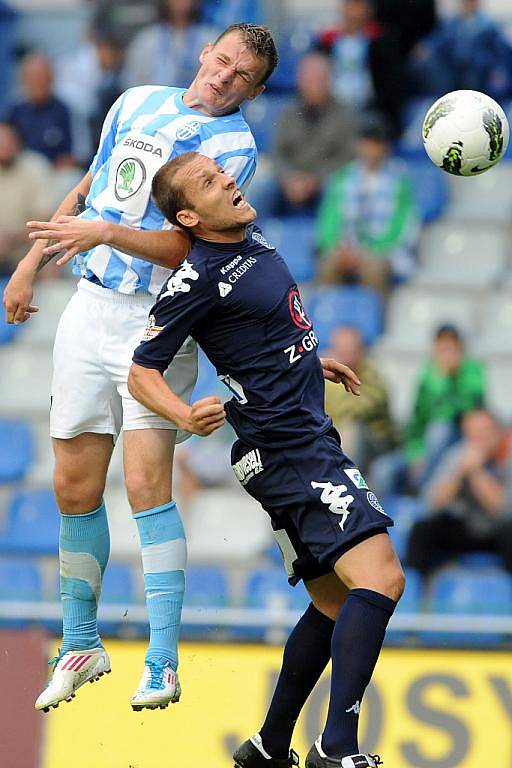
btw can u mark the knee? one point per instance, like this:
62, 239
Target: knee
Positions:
328, 606
394, 582
148, 487
77, 494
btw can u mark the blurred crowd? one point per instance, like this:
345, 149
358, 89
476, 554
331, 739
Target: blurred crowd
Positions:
332, 154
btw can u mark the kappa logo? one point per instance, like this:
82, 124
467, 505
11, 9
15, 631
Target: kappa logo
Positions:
176, 282
357, 478
355, 708
131, 175
188, 130
332, 495
373, 500
224, 289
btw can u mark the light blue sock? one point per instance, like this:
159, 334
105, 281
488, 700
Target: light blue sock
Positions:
84, 547
164, 557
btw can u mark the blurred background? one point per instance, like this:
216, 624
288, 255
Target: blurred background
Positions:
406, 273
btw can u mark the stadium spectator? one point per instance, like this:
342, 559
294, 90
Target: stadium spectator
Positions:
367, 61
43, 120
365, 421
469, 498
314, 136
410, 20
25, 181
7, 42
468, 51
127, 17
450, 385
367, 224
167, 53
110, 56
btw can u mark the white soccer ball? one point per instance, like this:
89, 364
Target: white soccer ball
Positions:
465, 133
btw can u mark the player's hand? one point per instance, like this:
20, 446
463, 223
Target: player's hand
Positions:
206, 415
70, 234
17, 298
341, 374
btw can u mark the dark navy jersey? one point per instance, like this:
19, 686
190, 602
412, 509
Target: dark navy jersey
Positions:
242, 306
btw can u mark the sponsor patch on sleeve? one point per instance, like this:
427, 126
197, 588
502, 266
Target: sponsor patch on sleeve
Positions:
152, 329
355, 475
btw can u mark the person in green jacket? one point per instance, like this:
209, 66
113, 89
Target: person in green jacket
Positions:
450, 385
367, 225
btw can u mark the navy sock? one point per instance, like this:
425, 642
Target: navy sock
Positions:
356, 643
306, 653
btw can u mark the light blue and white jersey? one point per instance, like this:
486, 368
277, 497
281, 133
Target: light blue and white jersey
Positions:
146, 127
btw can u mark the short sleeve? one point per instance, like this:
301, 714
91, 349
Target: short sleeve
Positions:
186, 299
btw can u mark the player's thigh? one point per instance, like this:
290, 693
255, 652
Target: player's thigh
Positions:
83, 395
81, 465
328, 594
372, 564
148, 456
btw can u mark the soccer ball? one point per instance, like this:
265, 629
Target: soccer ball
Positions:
465, 133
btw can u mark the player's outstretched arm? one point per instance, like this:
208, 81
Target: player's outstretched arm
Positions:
341, 374
19, 292
166, 248
149, 387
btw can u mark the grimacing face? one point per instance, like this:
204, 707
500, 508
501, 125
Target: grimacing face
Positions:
229, 74
216, 203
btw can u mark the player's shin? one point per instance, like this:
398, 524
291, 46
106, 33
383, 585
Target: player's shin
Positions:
164, 556
84, 547
358, 637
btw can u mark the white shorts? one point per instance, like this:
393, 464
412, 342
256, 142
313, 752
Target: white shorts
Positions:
92, 355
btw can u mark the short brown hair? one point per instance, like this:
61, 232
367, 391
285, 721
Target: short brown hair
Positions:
169, 196
258, 38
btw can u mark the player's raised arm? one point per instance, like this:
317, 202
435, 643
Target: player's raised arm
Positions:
148, 386
19, 290
166, 248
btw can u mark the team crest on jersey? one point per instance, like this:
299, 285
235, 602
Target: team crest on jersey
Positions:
177, 281
188, 130
152, 329
298, 312
258, 237
131, 175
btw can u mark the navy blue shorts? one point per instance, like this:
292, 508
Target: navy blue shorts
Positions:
318, 502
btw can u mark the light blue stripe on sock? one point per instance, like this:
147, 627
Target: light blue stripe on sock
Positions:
84, 547
164, 558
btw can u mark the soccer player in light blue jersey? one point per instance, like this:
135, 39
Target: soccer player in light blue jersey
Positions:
121, 271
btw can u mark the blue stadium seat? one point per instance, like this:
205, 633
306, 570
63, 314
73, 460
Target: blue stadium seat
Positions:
118, 586
263, 116
404, 511
16, 449
294, 238
206, 586
355, 305
294, 41
269, 588
20, 579
32, 523
410, 602
430, 188
478, 592
411, 142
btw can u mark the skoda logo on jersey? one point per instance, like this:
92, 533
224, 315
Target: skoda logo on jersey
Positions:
298, 312
130, 177
188, 130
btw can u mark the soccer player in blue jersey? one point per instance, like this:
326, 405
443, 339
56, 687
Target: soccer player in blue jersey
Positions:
121, 272
236, 297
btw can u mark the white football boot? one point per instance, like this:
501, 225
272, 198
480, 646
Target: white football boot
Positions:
72, 669
159, 686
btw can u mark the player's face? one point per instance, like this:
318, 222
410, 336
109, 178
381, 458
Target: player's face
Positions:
229, 75
216, 203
